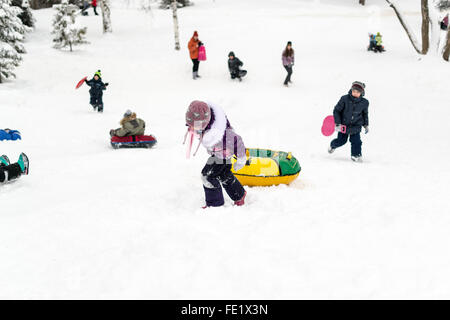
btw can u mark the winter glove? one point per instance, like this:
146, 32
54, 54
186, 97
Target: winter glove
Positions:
106, 84
239, 164
366, 128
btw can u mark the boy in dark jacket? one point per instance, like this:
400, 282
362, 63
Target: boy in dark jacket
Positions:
96, 91
10, 171
234, 65
352, 111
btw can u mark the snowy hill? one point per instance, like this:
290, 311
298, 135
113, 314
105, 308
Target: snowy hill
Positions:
92, 222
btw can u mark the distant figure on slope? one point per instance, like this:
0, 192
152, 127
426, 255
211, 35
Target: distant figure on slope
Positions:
94, 5
352, 110
372, 42
379, 43
13, 171
444, 23
193, 46
96, 91
222, 143
234, 65
288, 61
131, 126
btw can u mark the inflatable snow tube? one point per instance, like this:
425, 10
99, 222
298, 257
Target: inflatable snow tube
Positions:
267, 168
8, 134
133, 142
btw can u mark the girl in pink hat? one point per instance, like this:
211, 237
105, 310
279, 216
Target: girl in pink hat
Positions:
210, 123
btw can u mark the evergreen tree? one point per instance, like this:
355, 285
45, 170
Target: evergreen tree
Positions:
9, 59
26, 15
167, 4
12, 30
65, 29
443, 5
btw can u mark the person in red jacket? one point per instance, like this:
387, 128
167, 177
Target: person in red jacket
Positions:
193, 46
94, 5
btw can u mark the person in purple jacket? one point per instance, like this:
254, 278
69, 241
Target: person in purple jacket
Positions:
288, 61
222, 143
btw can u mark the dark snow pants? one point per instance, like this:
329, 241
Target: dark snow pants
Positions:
239, 74
217, 172
288, 77
355, 140
8, 173
95, 10
97, 100
196, 65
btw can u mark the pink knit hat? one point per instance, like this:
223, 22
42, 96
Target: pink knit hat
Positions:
198, 115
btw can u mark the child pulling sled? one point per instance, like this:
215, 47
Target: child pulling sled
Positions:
210, 123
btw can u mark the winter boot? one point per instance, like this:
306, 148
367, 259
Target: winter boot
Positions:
100, 108
94, 107
4, 161
330, 150
242, 201
357, 158
24, 163
197, 75
194, 75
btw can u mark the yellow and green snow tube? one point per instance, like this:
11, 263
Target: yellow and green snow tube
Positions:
267, 168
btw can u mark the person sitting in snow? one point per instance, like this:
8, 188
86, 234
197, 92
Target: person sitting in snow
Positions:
379, 43
131, 126
96, 91
352, 110
372, 42
234, 65
222, 143
10, 171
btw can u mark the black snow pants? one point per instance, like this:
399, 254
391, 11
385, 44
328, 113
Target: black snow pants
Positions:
215, 174
97, 99
11, 172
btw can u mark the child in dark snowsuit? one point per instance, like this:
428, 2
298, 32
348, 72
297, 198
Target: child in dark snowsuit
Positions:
234, 65
96, 91
222, 143
372, 42
13, 171
352, 111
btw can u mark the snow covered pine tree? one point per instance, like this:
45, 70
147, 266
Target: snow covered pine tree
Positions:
167, 4
9, 59
26, 15
12, 30
65, 29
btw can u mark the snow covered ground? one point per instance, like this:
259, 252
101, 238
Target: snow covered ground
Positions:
92, 222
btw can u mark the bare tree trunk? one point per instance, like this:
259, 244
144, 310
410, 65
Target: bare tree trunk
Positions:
70, 45
425, 27
106, 15
447, 47
175, 24
362, 2
404, 25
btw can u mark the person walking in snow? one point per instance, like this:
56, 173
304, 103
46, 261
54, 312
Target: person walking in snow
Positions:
193, 46
131, 126
352, 110
94, 5
96, 91
288, 61
222, 143
10, 171
234, 65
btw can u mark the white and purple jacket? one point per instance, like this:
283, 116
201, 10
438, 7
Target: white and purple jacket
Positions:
219, 138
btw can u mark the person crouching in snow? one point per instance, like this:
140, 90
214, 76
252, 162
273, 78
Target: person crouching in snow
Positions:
96, 91
131, 126
222, 143
234, 65
10, 171
352, 111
